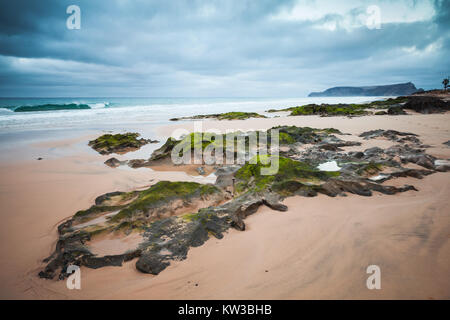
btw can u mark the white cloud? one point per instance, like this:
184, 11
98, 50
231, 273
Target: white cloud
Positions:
353, 14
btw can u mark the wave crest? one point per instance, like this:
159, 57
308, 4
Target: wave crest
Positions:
51, 107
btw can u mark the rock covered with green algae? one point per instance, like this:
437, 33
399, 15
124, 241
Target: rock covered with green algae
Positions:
169, 233
347, 109
287, 135
170, 239
235, 115
123, 212
295, 177
154, 202
118, 143
251, 177
328, 110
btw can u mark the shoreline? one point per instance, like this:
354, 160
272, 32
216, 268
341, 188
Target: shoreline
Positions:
70, 182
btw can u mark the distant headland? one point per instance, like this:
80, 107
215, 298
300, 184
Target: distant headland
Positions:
400, 89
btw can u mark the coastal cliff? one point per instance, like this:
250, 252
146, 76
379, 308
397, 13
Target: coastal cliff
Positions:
400, 89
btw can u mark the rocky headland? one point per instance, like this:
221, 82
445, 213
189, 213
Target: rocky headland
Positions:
400, 89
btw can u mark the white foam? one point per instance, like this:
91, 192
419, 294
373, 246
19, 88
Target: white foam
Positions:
379, 177
442, 163
98, 105
329, 166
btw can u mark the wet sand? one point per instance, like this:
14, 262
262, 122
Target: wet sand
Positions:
319, 248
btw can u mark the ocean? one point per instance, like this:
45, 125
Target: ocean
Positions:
107, 113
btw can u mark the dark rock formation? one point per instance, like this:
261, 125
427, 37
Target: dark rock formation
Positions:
425, 104
395, 110
392, 135
165, 149
134, 210
114, 162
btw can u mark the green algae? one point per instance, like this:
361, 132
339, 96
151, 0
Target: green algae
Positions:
94, 210
235, 115
327, 109
239, 115
241, 140
370, 168
161, 193
109, 143
250, 175
285, 138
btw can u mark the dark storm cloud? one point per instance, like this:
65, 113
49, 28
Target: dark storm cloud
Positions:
214, 48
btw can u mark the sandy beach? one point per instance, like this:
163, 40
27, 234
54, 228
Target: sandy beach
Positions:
318, 249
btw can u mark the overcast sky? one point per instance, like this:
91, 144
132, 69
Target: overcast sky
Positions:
242, 48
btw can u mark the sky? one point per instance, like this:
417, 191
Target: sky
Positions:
212, 48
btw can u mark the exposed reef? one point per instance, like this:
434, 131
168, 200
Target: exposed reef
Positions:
118, 143
123, 213
172, 217
223, 116
328, 110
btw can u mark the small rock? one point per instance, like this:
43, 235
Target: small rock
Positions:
395, 110
201, 171
373, 151
113, 162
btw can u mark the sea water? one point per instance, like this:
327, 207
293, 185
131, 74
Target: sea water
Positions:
107, 112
